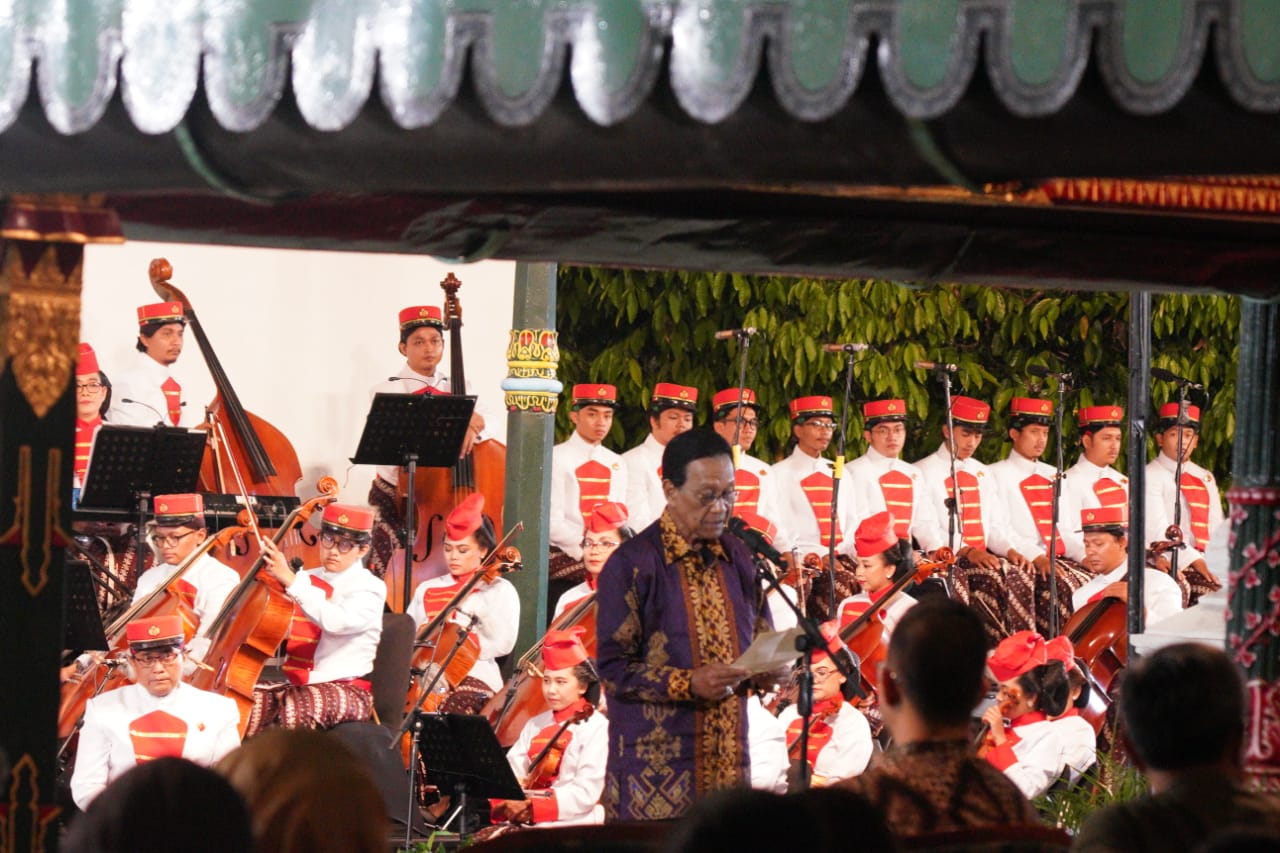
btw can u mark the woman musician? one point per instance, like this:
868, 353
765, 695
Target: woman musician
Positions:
606, 529
337, 622
492, 610
882, 558
561, 753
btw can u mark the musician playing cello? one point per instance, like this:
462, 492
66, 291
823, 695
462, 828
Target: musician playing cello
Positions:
491, 609
569, 743
337, 622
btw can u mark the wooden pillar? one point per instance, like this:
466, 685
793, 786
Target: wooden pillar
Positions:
41, 262
532, 392
1253, 632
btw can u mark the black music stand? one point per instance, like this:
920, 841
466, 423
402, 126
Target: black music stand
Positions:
130, 464
410, 430
81, 621
462, 755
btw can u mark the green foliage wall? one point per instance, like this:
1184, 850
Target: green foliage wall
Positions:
633, 328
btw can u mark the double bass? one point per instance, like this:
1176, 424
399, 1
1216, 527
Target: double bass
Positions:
438, 490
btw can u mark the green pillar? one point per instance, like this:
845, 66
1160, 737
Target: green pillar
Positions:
1253, 632
532, 392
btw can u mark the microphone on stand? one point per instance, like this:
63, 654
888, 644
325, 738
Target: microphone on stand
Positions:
151, 407
754, 540
745, 332
1046, 373
845, 347
409, 379
1170, 376
936, 366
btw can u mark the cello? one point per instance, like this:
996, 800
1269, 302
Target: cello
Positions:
438, 490
238, 439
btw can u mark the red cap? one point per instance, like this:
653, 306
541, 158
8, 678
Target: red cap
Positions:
1101, 416
728, 399
1105, 518
353, 519
161, 312
563, 649
877, 411
759, 524
86, 361
1030, 408
803, 408
668, 395
607, 516
970, 412
831, 633
1169, 417
875, 535
599, 394
173, 509
1061, 649
421, 315
154, 632
466, 517
1019, 653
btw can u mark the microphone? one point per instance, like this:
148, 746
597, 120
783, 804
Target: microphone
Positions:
1170, 376
845, 347
937, 366
754, 540
745, 332
296, 564
1046, 373
408, 379
154, 410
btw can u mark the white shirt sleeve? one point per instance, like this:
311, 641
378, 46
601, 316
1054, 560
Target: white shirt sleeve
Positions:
849, 750
351, 613
93, 758
580, 780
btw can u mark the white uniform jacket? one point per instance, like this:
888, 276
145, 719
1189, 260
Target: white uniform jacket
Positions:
1037, 757
862, 477
213, 582
574, 797
891, 615
645, 498
350, 620
1079, 743
998, 533
767, 746
848, 751
141, 382
566, 521
1160, 593
1010, 473
496, 608
1161, 492
797, 523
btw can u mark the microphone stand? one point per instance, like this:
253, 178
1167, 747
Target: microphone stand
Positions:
837, 475
955, 503
1177, 481
1054, 628
744, 338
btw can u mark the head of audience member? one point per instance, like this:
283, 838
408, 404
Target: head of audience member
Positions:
306, 792
885, 426
606, 529
671, 410
165, 804
592, 411
970, 418
1106, 537
179, 526
568, 674
161, 329
422, 339
1101, 434
813, 424
1175, 436
697, 479
819, 820
1166, 738
1029, 426
93, 390
155, 653
882, 556
725, 415
345, 534
933, 676
469, 537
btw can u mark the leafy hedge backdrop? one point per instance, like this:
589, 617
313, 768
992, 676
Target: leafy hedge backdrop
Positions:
634, 327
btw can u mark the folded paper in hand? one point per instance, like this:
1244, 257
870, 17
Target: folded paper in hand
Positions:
771, 651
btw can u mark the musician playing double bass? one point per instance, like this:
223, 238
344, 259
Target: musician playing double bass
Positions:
337, 622
422, 345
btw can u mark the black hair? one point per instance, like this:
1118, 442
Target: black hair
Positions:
486, 535
148, 330
689, 447
937, 656
899, 557
1046, 687
1158, 694
1021, 422
356, 536
1076, 680
406, 331
106, 400
587, 676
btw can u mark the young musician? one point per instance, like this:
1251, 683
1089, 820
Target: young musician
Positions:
156, 716
606, 529
1079, 740
93, 399
571, 739
1201, 516
839, 736
1092, 482
671, 410
492, 610
751, 475
146, 393
882, 559
337, 622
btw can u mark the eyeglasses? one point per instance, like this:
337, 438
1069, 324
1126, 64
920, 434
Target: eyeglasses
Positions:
708, 499
169, 540
822, 673
153, 658
342, 543
89, 387
825, 426
1013, 694
588, 545
747, 423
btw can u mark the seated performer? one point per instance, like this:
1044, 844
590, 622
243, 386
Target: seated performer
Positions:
882, 558
1079, 740
337, 622
751, 475
1093, 482
93, 398
492, 610
584, 473
607, 528
790, 582
571, 739
1106, 546
422, 345
146, 394
1033, 688
671, 411
839, 736
1201, 510
179, 530
154, 717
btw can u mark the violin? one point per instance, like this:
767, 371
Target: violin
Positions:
545, 766
984, 742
